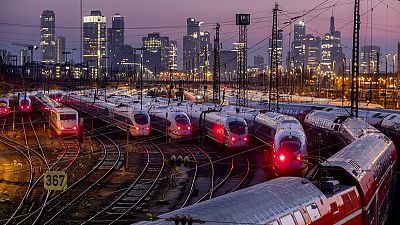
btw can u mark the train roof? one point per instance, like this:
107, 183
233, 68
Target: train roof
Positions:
353, 128
258, 204
365, 160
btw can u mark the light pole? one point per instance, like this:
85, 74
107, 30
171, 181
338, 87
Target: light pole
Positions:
141, 75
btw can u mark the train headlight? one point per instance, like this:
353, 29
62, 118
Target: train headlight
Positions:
147, 128
137, 128
62, 128
189, 128
179, 128
28, 107
74, 128
22, 107
233, 139
282, 157
298, 157
245, 138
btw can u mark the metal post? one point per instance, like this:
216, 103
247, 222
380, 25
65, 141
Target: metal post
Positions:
217, 69
355, 60
386, 78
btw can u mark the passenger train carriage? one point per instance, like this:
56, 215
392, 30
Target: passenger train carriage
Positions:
353, 187
63, 120
289, 142
24, 104
124, 117
175, 123
4, 105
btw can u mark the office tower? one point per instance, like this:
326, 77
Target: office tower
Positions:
369, 59
115, 39
259, 61
297, 54
398, 56
331, 51
155, 57
94, 42
23, 56
312, 53
279, 48
48, 36
173, 55
60, 48
205, 47
191, 44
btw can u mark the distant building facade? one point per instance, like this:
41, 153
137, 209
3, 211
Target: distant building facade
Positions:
60, 48
94, 42
156, 55
48, 36
369, 58
259, 61
115, 39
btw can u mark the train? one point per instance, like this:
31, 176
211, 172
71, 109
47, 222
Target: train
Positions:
173, 122
355, 186
64, 120
24, 104
122, 116
289, 142
4, 105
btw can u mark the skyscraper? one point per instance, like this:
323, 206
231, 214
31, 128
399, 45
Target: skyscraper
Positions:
191, 44
60, 46
173, 55
332, 53
94, 42
279, 49
297, 54
312, 53
369, 56
259, 61
48, 36
23, 56
115, 39
156, 55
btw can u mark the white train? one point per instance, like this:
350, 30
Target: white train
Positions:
24, 104
4, 105
289, 142
124, 117
63, 120
175, 123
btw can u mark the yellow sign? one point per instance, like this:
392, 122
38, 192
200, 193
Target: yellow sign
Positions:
55, 180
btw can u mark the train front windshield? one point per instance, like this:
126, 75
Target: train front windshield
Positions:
68, 117
3, 103
24, 102
141, 119
237, 127
182, 120
290, 145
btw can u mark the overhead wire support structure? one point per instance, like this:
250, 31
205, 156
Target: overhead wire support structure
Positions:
274, 61
242, 20
355, 60
217, 69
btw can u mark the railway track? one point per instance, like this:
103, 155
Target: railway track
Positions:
138, 193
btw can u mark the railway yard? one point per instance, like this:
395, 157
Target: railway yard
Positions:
119, 176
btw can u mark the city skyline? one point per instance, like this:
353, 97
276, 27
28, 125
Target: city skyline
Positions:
140, 23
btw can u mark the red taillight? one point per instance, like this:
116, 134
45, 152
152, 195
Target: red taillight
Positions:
188, 128
147, 128
5, 110
28, 107
245, 138
22, 107
298, 157
179, 128
282, 157
74, 128
233, 139
137, 128
62, 128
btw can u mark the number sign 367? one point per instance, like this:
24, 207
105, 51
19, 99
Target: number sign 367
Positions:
55, 180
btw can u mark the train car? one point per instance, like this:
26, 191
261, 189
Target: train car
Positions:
4, 105
175, 123
64, 120
24, 104
289, 142
57, 96
353, 187
123, 116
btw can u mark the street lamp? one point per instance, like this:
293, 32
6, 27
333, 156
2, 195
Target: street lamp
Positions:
141, 75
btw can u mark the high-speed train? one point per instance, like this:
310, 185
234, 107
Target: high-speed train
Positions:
289, 142
124, 117
64, 120
353, 187
173, 122
4, 105
24, 104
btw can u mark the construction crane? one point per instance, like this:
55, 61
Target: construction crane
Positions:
28, 46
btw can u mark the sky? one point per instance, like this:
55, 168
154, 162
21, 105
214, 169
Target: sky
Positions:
20, 19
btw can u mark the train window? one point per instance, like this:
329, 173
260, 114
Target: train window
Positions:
24, 102
182, 120
287, 220
299, 217
290, 144
392, 117
67, 116
313, 211
275, 222
141, 119
237, 127
289, 121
